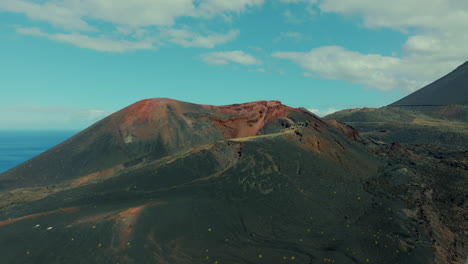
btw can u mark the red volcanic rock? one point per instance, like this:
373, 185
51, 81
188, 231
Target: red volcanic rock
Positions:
349, 131
149, 110
246, 120
167, 118
161, 117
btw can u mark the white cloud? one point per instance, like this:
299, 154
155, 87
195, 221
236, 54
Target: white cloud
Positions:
181, 37
299, 1
134, 13
323, 112
187, 38
136, 33
45, 117
53, 12
213, 7
435, 46
226, 57
292, 18
302, 15
95, 114
336, 63
101, 44
295, 16
83, 41
403, 14
131, 20
438, 47
373, 71
436, 27
31, 31
71, 14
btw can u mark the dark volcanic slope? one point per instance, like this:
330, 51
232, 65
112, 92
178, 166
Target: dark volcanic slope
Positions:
169, 182
436, 114
425, 135
427, 167
146, 130
444, 125
450, 89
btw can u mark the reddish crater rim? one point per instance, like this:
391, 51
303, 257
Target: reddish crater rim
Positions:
165, 100
234, 120
143, 110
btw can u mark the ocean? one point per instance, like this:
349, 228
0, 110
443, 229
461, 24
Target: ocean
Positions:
17, 147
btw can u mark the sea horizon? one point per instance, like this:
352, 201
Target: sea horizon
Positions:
20, 145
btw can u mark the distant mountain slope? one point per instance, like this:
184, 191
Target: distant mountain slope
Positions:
436, 114
448, 90
441, 125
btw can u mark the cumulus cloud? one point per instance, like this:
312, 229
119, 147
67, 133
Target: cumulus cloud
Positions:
187, 38
336, 63
84, 41
57, 13
130, 19
71, 14
183, 37
213, 7
226, 57
133, 13
402, 14
436, 27
435, 44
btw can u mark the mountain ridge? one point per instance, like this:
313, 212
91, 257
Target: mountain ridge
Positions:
449, 89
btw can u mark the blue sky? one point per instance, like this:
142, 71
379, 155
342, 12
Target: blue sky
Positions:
67, 63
